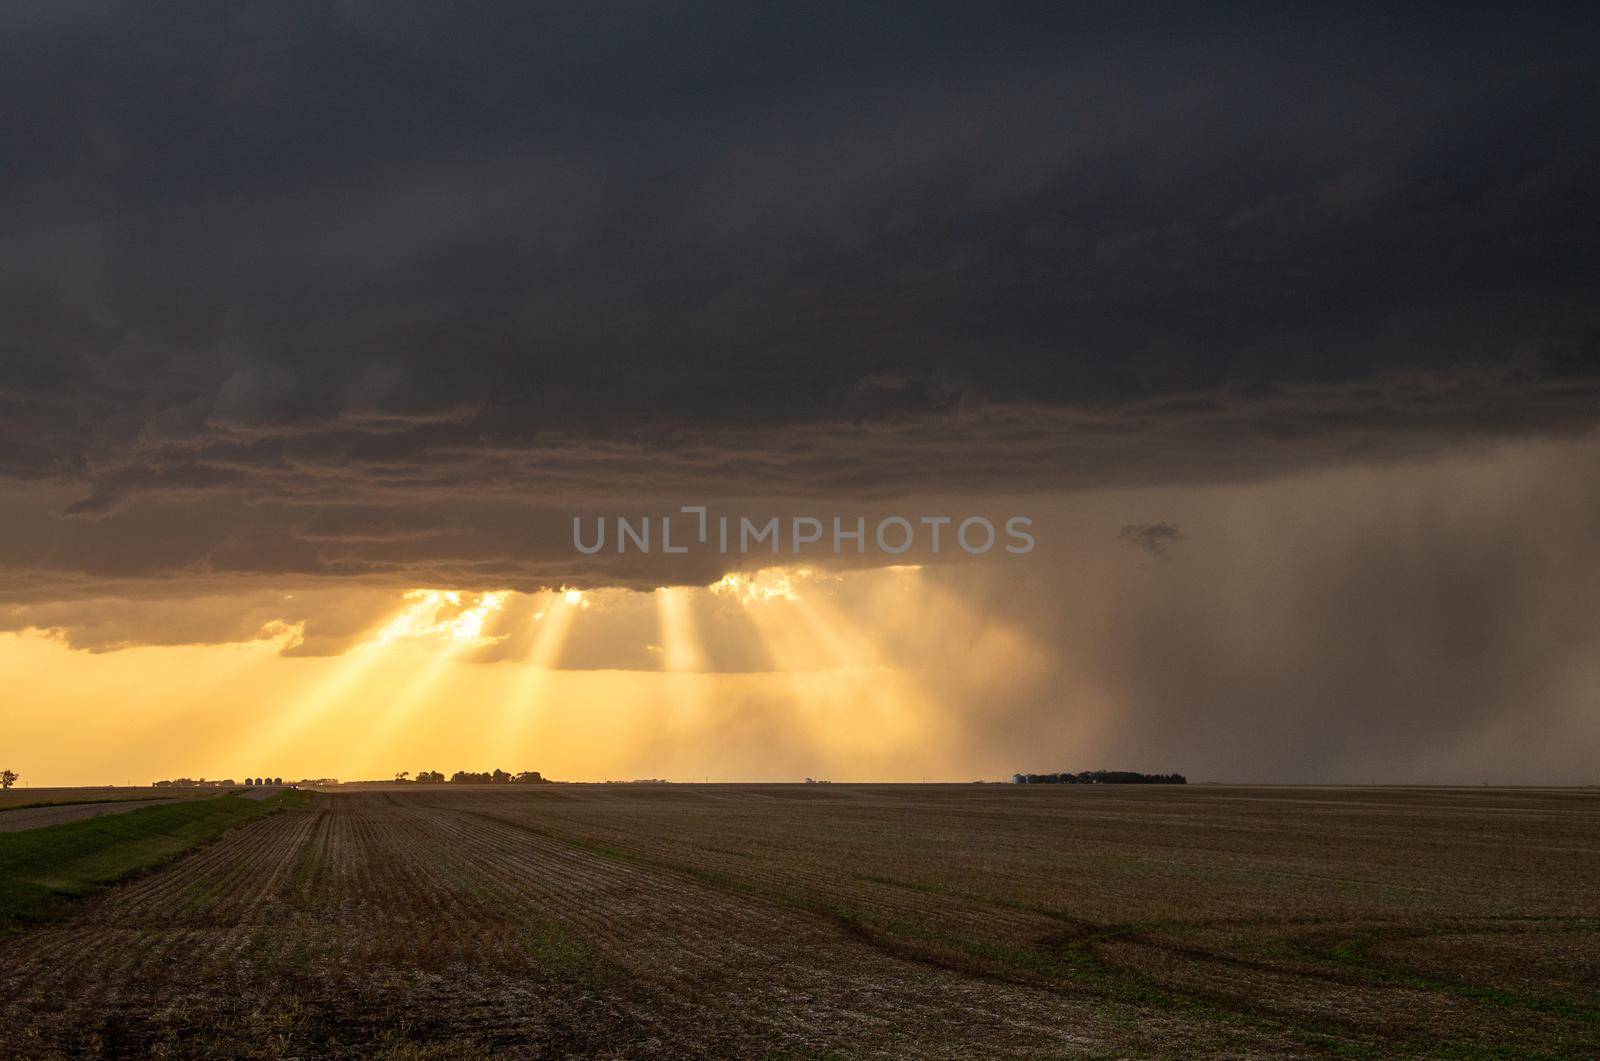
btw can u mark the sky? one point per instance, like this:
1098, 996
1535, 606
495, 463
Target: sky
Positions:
321, 324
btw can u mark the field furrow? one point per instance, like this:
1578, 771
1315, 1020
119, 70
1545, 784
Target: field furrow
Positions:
865, 922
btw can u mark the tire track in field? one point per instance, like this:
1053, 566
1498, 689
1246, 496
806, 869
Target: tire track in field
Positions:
569, 896
1118, 958
721, 953
370, 922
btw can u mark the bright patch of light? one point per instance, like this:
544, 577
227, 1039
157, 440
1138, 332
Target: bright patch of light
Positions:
284, 635
441, 615
773, 583
679, 648
467, 628
410, 621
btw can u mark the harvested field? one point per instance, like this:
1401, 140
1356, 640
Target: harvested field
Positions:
18, 798
893, 920
36, 817
47, 871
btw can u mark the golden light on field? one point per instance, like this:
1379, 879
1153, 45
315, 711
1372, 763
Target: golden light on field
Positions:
769, 674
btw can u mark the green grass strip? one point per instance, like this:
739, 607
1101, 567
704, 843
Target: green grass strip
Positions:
44, 871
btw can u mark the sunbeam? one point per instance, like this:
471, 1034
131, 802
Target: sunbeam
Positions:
350, 672
679, 638
859, 709
682, 659
893, 704
394, 715
554, 615
183, 709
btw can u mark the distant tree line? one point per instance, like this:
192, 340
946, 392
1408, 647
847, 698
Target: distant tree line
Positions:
468, 777
1100, 777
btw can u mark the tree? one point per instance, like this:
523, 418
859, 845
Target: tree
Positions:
401, 775
7, 778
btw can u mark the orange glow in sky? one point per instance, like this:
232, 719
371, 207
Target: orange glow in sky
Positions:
458, 680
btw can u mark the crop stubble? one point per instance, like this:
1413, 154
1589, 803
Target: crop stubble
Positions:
925, 920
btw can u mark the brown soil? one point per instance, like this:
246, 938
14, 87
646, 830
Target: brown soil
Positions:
888, 921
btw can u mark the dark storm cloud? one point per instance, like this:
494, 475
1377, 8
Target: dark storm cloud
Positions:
420, 264
1433, 623
305, 622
